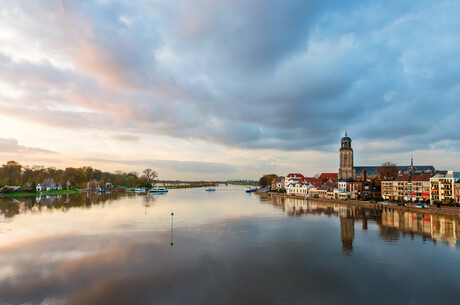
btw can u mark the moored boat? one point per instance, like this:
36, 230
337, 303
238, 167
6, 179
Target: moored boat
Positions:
157, 189
210, 189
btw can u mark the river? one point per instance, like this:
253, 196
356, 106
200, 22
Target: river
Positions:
222, 247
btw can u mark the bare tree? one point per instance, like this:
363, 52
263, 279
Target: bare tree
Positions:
150, 175
387, 170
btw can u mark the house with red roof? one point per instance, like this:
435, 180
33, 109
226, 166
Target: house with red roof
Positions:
327, 179
294, 178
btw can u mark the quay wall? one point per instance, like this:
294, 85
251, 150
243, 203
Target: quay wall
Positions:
435, 211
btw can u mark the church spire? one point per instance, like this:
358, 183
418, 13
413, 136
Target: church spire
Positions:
411, 169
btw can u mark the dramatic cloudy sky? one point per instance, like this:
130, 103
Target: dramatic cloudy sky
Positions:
229, 88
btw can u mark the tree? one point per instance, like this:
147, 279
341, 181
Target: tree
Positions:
11, 173
387, 170
150, 175
143, 182
267, 179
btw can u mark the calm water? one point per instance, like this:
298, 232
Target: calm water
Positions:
229, 247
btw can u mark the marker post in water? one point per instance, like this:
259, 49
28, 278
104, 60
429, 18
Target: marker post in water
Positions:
172, 228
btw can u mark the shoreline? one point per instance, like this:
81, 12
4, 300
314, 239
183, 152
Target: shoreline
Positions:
19, 194
443, 211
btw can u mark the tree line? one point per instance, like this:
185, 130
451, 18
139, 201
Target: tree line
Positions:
13, 173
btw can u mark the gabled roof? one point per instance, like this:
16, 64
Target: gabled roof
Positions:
403, 178
422, 177
312, 181
333, 176
294, 175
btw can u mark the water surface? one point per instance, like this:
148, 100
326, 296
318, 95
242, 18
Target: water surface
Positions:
229, 247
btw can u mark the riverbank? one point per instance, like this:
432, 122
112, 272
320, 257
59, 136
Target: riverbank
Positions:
444, 211
55, 193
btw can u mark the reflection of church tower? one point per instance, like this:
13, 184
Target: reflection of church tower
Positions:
346, 170
347, 232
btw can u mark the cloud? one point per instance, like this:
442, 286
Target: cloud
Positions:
126, 138
8, 145
180, 166
246, 74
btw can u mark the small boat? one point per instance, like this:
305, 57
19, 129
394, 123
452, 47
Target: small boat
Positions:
139, 190
248, 189
157, 189
210, 189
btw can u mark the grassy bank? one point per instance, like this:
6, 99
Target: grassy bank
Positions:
23, 194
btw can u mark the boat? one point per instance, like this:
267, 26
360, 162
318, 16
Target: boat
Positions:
139, 190
210, 189
248, 189
157, 189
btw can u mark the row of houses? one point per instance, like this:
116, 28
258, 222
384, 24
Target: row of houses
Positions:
289, 181
440, 187
325, 186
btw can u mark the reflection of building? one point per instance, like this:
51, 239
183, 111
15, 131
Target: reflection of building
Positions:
347, 233
392, 223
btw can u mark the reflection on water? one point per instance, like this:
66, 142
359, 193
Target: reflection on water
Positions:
392, 223
9, 207
229, 248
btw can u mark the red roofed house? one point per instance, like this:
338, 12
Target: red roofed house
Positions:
294, 178
327, 179
312, 181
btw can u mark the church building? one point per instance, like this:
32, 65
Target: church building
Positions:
348, 171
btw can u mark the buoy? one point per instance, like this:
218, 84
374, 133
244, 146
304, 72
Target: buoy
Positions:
172, 228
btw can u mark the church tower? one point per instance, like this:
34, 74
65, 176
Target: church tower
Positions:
346, 170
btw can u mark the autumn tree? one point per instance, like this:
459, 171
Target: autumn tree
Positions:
11, 173
76, 176
267, 179
150, 175
387, 170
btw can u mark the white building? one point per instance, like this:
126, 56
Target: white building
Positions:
299, 189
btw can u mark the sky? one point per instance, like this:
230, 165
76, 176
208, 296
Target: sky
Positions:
229, 89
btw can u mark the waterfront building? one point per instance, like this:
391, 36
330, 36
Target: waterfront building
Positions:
387, 188
420, 187
407, 187
299, 189
278, 184
294, 178
48, 185
442, 186
457, 191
